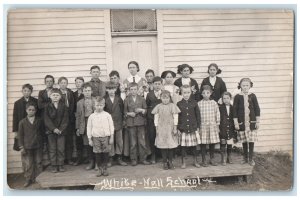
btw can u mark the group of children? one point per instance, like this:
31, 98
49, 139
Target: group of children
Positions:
134, 119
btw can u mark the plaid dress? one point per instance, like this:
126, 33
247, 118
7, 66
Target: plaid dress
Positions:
210, 120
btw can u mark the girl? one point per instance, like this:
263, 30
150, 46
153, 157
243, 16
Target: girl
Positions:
185, 70
227, 132
216, 83
165, 120
210, 121
246, 116
68, 99
169, 76
188, 124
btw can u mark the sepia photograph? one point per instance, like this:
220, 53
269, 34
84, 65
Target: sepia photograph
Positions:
150, 100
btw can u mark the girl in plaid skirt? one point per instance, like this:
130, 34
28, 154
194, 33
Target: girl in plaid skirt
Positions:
246, 116
210, 121
188, 124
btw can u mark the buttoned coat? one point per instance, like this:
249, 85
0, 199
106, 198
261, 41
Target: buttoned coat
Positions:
116, 110
130, 106
151, 101
227, 130
80, 116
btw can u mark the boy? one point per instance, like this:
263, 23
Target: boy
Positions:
98, 86
30, 138
114, 106
100, 133
83, 111
114, 78
152, 100
19, 111
56, 119
68, 99
135, 110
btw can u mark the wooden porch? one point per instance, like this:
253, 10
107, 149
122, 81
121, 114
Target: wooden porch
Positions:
144, 178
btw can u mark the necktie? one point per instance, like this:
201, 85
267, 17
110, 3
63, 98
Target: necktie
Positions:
133, 79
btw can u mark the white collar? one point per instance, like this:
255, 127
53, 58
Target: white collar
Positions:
137, 78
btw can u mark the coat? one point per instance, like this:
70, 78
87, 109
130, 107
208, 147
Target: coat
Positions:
116, 109
43, 99
19, 111
71, 102
56, 118
76, 99
227, 130
189, 118
239, 110
218, 89
130, 106
193, 82
151, 102
31, 135
80, 122
98, 87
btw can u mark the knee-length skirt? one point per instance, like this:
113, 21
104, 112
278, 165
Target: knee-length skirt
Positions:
189, 139
247, 136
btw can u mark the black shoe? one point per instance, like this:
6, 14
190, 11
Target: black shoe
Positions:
61, 168
27, 183
165, 166
54, 169
212, 162
105, 172
121, 162
133, 163
170, 165
145, 162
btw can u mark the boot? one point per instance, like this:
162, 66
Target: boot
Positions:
166, 166
229, 159
170, 165
91, 158
79, 158
109, 164
54, 169
245, 153
121, 162
105, 172
251, 149
203, 154
100, 171
183, 153
212, 155
61, 168
153, 158
196, 164
223, 160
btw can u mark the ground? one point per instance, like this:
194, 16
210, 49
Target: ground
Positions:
273, 172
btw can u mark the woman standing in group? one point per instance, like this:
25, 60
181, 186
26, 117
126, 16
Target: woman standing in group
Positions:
216, 83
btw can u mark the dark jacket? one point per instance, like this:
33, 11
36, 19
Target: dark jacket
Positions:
193, 82
76, 99
227, 130
239, 110
98, 87
151, 102
19, 111
218, 89
130, 106
71, 106
116, 109
56, 118
30, 135
189, 117
43, 99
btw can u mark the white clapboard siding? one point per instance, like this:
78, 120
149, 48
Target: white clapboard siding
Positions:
245, 43
60, 42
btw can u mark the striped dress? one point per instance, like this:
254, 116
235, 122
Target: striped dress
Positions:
210, 121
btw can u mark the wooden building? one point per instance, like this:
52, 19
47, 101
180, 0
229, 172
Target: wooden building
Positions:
245, 43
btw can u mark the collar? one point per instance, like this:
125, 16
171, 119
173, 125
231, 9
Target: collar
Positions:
213, 78
26, 99
137, 78
241, 93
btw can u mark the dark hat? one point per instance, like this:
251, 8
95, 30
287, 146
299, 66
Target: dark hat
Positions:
165, 73
180, 68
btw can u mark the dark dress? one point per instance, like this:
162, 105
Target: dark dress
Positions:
227, 130
194, 83
218, 89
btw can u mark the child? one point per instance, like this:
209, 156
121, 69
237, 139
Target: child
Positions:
68, 99
114, 106
98, 86
165, 120
100, 133
83, 111
246, 116
30, 138
153, 99
185, 70
149, 75
216, 83
135, 111
169, 76
78, 95
115, 78
210, 121
19, 111
188, 124
227, 133
43, 100
56, 119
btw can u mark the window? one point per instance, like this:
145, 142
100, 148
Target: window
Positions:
133, 20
